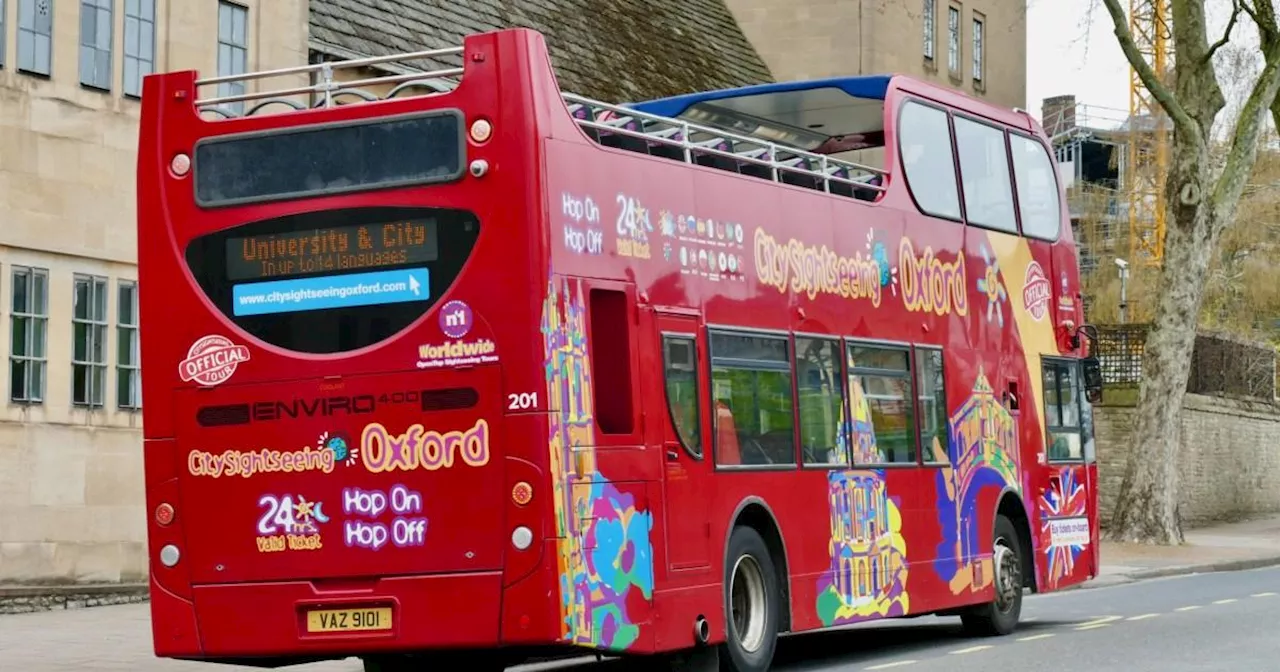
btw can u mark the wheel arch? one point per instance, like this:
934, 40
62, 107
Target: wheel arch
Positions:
1010, 506
756, 513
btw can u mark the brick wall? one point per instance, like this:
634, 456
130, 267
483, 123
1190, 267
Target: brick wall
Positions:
1229, 460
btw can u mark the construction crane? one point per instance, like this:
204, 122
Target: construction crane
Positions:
1149, 133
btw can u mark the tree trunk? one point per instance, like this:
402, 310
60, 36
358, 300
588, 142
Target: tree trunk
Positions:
1146, 507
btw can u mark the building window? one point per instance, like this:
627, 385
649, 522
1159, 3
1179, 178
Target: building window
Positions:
95, 43
953, 39
89, 336
820, 390
128, 379
139, 43
35, 36
925, 145
931, 395
233, 50
977, 49
680, 371
1062, 402
29, 318
751, 393
882, 427
988, 196
1037, 187
930, 12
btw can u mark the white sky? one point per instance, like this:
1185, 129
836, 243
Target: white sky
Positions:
1071, 48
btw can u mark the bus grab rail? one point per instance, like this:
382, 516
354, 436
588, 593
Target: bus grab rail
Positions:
327, 86
679, 134
604, 117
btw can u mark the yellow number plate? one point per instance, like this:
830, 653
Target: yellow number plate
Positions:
349, 620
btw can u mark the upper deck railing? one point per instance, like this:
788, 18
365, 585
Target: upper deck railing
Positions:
609, 125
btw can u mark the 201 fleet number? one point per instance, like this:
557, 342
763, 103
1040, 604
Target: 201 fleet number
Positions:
522, 401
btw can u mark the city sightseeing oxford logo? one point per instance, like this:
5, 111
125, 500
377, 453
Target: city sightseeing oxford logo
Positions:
212, 360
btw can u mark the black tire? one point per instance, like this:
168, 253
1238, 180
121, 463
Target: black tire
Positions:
749, 569
1000, 616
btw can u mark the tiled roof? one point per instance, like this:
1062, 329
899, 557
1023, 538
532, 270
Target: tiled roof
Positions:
611, 50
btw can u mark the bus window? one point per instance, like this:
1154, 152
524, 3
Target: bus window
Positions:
932, 395
1037, 188
330, 281
611, 360
984, 171
924, 141
680, 371
1062, 411
751, 386
880, 396
821, 396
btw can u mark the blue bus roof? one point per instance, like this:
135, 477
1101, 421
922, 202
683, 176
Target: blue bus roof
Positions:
869, 86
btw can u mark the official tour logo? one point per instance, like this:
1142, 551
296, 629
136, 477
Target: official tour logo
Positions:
1037, 291
212, 360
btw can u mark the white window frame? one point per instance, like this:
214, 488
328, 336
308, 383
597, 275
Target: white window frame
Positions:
233, 50
139, 45
34, 320
979, 35
128, 362
953, 39
930, 27
91, 392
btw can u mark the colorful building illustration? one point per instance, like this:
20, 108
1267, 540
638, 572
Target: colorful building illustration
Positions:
605, 555
982, 452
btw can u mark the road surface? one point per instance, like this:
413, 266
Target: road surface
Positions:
1224, 621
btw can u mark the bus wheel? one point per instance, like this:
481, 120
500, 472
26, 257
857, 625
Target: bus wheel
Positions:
1000, 616
750, 603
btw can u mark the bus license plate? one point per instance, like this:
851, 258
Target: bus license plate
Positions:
349, 620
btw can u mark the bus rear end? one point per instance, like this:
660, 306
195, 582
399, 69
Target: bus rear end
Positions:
331, 332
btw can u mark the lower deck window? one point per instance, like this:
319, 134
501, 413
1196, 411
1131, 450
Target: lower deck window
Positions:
751, 392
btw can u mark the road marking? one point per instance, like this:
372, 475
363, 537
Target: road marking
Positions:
1229, 600
1264, 595
1187, 608
886, 666
972, 649
1095, 626
1098, 621
1032, 638
1143, 617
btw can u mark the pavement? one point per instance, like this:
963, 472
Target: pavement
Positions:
1194, 607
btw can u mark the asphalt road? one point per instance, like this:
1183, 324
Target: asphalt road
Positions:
1224, 621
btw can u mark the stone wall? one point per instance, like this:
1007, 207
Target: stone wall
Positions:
1228, 463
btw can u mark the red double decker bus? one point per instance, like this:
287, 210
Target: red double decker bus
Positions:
494, 370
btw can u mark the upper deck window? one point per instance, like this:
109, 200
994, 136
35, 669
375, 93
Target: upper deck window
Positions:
1037, 188
333, 281
984, 166
329, 159
924, 140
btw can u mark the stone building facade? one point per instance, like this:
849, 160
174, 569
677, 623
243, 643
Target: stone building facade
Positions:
977, 46
71, 501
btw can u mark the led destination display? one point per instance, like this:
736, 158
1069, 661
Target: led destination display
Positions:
332, 250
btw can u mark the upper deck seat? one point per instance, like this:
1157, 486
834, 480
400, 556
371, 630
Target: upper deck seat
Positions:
868, 194
582, 112
715, 160
800, 179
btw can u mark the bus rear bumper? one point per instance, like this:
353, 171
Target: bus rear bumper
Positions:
275, 619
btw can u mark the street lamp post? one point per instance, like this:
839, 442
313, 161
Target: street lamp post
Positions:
1124, 289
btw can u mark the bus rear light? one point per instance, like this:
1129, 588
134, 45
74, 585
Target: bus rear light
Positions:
169, 555
481, 130
180, 165
521, 538
164, 514
522, 494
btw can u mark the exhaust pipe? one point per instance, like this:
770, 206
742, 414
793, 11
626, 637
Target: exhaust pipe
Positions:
701, 630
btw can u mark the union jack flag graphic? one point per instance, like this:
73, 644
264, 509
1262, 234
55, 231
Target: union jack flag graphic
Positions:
1064, 498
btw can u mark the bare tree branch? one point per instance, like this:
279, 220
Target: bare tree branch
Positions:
1186, 126
1236, 8
1244, 141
